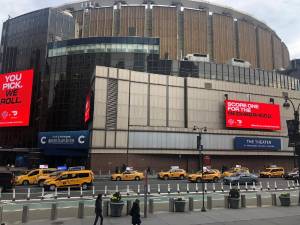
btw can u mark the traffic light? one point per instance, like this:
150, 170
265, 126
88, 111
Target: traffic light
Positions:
293, 132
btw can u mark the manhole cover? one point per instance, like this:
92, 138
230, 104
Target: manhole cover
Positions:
57, 223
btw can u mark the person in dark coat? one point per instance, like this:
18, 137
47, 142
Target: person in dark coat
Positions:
135, 213
98, 209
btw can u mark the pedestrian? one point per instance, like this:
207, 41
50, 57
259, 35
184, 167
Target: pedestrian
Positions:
135, 213
98, 209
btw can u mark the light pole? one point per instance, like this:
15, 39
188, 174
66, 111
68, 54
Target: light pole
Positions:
200, 149
295, 128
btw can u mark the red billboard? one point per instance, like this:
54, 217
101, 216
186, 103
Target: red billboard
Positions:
252, 115
87, 108
15, 98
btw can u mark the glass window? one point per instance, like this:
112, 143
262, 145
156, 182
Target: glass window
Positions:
242, 75
266, 78
219, 72
230, 73
252, 76
236, 71
247, 75
225, 72
201, 69
261, 77
213, 71
256, 76
207, 70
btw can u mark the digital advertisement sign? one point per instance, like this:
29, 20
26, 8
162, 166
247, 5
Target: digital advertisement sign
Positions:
15, 98
87, 108
252, 115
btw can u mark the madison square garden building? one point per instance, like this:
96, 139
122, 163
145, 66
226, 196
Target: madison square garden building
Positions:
125, 82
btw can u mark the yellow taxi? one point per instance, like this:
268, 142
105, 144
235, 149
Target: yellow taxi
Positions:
41, 179
128, 175
234, 170
208, 175
173, 173
32, 176
80, 178
272, 172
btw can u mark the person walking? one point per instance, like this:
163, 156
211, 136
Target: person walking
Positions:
98, 209
135, 213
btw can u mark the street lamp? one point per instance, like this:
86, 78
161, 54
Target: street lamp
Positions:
295, 128
200, 149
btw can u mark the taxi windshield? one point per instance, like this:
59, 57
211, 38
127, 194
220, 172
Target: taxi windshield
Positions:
268, 170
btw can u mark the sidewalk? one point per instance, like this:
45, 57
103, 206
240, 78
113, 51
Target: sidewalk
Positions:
248, 216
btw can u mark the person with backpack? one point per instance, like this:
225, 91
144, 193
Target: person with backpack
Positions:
98, 209
135, 213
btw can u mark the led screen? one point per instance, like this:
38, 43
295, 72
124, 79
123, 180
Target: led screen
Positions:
15, 98
252, 115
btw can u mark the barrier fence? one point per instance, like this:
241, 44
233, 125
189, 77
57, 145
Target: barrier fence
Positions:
136, 190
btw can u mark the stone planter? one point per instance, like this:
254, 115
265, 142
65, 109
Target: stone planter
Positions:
179, 205
285, 201
234, 203
116, 208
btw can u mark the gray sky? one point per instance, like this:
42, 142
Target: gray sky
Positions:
281, 15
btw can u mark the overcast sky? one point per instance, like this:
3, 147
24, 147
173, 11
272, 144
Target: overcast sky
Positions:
281, 15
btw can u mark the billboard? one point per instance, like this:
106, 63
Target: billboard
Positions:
64, 140
15, 98
253, 143
252, 115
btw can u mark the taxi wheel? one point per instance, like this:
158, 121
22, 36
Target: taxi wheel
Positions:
137, 178
166, 177
52, 187
41, 183
118, 178
216, 179
281, 176
25, 182
269, 176
181, 177
84, 186
198, 180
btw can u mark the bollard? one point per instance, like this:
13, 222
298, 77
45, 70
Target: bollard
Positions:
138, 189
196, 188
28, 194
55, 193
80, 210
105, 191
274, 200
293, 184
148, 189
253, 186
105, 208
230, 186
53, 211
158, 188
69, 192
1, 214
260, 184
268, 186
226, 205
239, 188
93, 193
25, 214
275, 185
151, 206
109, 172
246, 186
205, 187
191, 204
171, 204
258, 200
43, 193
297, 183
288, 184
222, 187
209, 202
243, 201
214, 187
117, 188
14, 195
178, 188
127, 190
128, 208
81, 194
187, 188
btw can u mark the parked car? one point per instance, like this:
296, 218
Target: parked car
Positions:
79, 178
292, 174
234, 170
172, 174
240, 178
272, 172
128, 175
32, 176
209, 175
6, 180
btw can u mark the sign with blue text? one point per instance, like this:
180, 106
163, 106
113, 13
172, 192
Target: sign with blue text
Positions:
64, 140
250, 143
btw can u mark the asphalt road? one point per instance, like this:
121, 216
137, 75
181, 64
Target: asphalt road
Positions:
133, 187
